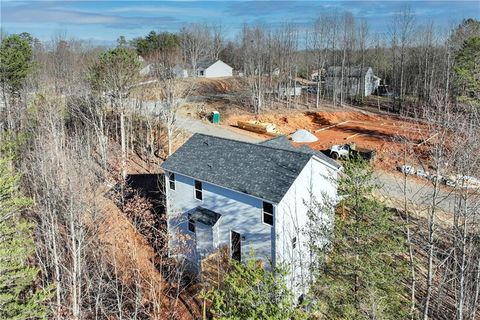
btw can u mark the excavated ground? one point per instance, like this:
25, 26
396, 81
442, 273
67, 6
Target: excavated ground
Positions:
387, 135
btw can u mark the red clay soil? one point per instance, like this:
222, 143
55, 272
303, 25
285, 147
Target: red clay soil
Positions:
131, 255
384, 134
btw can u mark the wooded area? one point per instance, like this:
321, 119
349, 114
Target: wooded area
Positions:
78, 241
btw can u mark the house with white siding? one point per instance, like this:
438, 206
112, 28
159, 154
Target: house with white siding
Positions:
213, 69
247, 197
354, 80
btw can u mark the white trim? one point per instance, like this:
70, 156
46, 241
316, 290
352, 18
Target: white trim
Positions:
194, 224
326, 163
195, 190
230, 245
273, 214
174, 181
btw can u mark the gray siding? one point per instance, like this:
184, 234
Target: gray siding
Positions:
240, 212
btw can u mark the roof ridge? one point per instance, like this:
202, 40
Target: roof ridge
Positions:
254, 144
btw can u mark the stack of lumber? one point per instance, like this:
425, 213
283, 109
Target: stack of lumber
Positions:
256, 126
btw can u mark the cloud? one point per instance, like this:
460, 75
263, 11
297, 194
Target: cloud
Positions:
134, 18
62, 13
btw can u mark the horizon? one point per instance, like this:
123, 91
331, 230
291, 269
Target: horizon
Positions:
102, 22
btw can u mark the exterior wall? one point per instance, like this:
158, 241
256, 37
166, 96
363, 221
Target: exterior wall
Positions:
180, 72
292, 91
204, 239
239, 212
354, 84
351, 85
316, 181
218, 69
369, 83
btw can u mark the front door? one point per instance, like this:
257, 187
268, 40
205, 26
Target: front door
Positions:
236, 246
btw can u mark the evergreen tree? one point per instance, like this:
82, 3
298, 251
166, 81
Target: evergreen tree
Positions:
251, 292
15, 61
361, 276
467, 70
19, 299
116, 70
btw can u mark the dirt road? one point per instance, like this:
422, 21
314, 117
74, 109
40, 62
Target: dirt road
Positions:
198, 126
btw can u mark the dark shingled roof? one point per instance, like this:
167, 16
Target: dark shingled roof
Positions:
348, 72
204, 64
282, 142
205, 216
260, 170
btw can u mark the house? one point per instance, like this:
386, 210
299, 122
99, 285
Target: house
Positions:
317, 75
179, 71
145, 68
249, 198
213, 69
356, 80
290, 87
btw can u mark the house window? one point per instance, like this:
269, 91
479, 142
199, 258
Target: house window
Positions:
191, 224
267, 213
294, 242
198, 190
171, 181
202, 73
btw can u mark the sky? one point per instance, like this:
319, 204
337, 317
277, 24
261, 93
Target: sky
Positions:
103, 21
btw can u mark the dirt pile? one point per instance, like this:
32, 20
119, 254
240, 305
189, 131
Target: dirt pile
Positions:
384, 134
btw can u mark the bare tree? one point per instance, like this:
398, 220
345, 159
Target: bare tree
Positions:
401, 34
194, 40
255, 57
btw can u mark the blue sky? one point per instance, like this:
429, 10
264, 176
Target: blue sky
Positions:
104, 21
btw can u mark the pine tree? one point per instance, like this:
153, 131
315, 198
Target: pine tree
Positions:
15, 61
251, 292
467, 70
361, 277
19, 299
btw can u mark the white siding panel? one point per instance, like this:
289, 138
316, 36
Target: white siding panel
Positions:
218, 69
239, 212
315, 181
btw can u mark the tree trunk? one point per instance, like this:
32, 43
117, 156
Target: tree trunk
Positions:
123, 144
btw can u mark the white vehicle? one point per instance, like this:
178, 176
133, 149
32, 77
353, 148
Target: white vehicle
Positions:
340, 151
407, 169
344, 151
422, 173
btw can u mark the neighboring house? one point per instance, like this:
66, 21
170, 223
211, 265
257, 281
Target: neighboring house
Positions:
284, 91
180, 72
249, 198
318, 75
356, 80
146, 68
290, 87
213, 69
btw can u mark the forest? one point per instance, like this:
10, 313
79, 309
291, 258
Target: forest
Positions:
81, 240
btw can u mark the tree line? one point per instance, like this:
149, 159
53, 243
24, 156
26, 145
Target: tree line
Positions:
72, 121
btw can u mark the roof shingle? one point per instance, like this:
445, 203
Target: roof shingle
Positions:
263, 170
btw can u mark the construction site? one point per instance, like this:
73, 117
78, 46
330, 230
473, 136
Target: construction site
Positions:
386, 135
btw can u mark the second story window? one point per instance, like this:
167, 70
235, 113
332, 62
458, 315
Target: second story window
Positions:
267, 216
198, 190
171, 181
